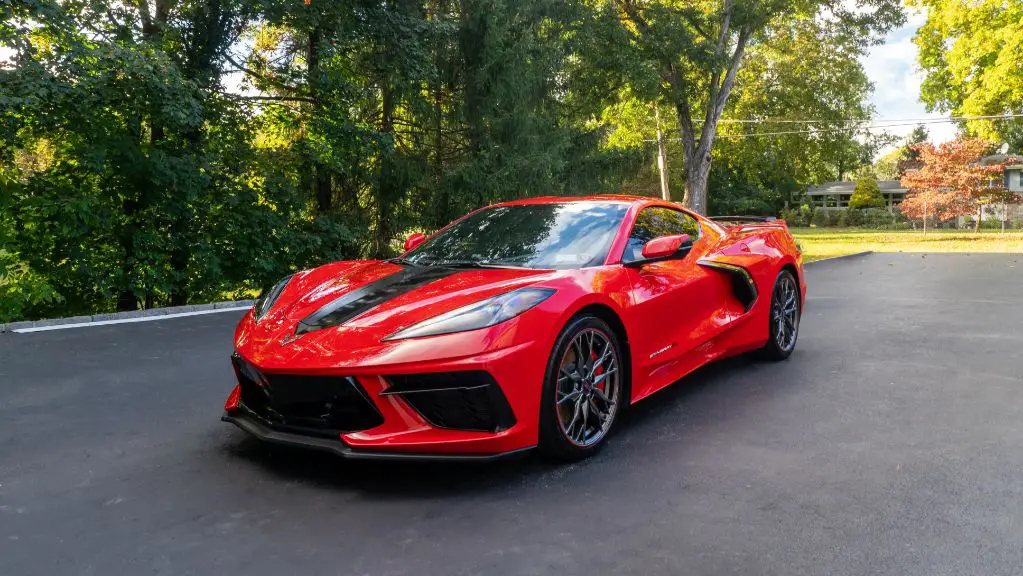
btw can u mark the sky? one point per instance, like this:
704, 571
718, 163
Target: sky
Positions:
893, 70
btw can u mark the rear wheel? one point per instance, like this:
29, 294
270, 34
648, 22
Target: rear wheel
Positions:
583, 390
784, 320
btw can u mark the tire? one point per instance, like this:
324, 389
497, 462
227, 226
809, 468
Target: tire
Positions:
590, 405
783, 320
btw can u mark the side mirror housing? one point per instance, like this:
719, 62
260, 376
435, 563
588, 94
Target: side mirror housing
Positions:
665, 248
414, 240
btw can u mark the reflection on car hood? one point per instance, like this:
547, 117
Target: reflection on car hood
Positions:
385, 295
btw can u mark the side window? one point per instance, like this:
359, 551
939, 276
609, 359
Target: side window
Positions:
658, 221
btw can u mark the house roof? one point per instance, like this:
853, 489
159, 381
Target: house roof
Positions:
1013, 159
829, 188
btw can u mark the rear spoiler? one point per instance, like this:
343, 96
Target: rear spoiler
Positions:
743, 218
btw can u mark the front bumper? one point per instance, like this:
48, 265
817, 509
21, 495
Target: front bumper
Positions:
338, 447
409, 423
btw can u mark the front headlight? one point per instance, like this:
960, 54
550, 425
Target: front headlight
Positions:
268, 297
479, 315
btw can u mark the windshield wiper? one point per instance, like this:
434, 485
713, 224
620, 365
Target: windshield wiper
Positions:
468, 264
403, 261
459, 264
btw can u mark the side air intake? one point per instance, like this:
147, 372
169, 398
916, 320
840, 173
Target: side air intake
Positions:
743, 287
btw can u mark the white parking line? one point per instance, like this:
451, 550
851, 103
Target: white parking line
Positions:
128, 320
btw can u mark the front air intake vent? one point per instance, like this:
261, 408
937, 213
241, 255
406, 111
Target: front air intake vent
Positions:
469, 400
315, 405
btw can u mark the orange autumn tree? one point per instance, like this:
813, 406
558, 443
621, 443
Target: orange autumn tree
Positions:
952, 181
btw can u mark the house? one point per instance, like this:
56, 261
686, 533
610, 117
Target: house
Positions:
1014, 178
837, 194
1013, 170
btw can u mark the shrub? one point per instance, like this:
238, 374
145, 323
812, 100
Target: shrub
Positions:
21, 288
878, 218
854, 217
790, 216
821, 218
991, 223
805, 215
867, 194
842, 218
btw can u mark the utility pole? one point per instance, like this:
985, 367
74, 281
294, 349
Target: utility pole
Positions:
662, 158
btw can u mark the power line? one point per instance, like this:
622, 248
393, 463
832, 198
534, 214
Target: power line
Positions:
855, 121
866, 126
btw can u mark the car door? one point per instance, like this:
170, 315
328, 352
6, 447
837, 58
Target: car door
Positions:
677, 304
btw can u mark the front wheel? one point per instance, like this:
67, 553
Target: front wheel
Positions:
583, 390
785, 315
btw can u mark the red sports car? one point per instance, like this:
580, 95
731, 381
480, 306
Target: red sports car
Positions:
528, 324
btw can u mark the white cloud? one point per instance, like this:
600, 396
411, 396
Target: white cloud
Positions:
893, 70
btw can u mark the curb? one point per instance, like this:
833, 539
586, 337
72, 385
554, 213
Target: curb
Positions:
117, 317
155, 313
842, 257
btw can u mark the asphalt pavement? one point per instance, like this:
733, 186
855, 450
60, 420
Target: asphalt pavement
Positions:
890, 443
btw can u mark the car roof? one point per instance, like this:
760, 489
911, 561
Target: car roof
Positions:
601, 198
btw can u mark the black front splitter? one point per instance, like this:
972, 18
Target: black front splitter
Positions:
339, 448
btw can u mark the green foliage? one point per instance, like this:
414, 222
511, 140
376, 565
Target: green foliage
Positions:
970, 54
842, 218
878, 219
867, 194
21, 288
887, 166
133, 176
821, 218
873, 218
691, 56
166, 156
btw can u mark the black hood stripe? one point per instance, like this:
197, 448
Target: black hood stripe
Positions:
370, 296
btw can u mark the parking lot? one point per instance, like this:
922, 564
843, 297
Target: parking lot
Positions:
890, 443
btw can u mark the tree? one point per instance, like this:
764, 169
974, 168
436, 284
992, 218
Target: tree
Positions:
166, 151
690, 54
970, 53
867, 194
953, 181
800, 74
918, 136
887, 166
894, 164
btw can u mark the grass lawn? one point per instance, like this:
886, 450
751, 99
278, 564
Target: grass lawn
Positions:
818, 243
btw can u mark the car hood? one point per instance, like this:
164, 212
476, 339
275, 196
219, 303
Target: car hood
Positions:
374, 299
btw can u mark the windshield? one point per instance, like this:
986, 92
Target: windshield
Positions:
548, 236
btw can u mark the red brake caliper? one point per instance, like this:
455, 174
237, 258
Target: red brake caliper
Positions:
598, 371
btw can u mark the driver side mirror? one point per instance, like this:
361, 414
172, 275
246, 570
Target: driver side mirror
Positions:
665, 248
414, 240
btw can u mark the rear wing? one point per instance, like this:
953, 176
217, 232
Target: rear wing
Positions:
750, 222
743, 218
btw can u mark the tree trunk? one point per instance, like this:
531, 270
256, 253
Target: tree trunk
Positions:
662, 159
440, 214
153, 26
697, 153
208, 24
697, 176
126, 299
386, 186
321, 181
